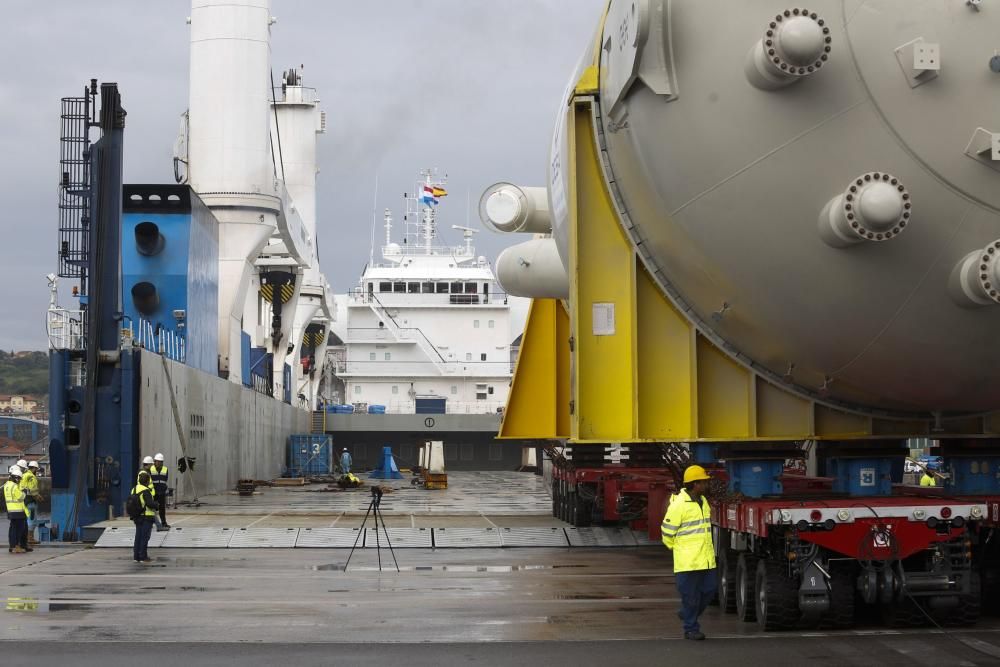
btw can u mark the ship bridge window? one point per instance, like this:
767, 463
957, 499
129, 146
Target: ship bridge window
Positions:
482, 357
471, 288
385, 287
399, 287
413, 288
427, 288
490, 324
442, 288
371, 287
456, 288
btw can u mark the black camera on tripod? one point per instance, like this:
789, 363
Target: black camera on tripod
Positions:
377, 495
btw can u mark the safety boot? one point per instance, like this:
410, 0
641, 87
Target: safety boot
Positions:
18, 550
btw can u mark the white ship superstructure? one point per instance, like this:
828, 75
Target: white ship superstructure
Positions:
428, 327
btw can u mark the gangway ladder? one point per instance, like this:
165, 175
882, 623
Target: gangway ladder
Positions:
400, 334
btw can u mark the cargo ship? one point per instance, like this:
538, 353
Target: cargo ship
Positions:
199, 308
423, 349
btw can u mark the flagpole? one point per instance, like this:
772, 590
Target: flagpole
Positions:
371, 247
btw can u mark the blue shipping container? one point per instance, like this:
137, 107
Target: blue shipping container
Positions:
430, 406
310, 454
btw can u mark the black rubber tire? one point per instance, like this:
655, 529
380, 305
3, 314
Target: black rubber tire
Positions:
555, 498
843, 595
728, 561
969, 608
777, 598
584, 511
903, 613
746, 567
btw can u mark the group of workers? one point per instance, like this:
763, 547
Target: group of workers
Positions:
21, 496
151, 492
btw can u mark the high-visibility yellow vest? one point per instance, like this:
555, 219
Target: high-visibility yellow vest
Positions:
687, 530
927, 480
29, 483
138, 490
14, 496
158, 475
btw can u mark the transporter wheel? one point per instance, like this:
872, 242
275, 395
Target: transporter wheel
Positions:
903, 613
728, 562
970, 607
584, 511
777, 597
746, 567
842, 597
572, 507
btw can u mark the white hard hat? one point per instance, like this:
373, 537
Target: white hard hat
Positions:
15, 471
33, 464
22, 464
345, 449
148, 459
158, 457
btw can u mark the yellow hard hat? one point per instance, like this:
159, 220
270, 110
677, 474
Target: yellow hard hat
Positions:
695, 474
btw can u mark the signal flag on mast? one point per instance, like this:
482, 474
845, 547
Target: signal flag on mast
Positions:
432, 194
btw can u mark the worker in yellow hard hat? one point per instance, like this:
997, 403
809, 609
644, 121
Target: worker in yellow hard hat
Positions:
687, 531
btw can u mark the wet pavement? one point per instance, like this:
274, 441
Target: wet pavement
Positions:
498, 606
479, 606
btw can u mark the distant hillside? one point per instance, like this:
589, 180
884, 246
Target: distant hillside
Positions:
24, 373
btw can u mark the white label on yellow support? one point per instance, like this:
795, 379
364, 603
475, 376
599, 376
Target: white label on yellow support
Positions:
603, 319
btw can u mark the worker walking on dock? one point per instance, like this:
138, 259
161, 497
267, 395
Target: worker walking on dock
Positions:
143, 518
345, 461
928, 477
17, 533
158, 475
687, 531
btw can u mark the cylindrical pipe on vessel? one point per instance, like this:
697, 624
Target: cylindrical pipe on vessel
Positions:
975, 280
508, 208
795, 45
533, 269
875, 207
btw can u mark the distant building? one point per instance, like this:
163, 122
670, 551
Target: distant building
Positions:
17, 403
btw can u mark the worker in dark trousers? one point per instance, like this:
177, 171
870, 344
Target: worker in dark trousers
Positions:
17, 533
29, 484
144, 523
687, 531
158, 475
345, 461
147, 467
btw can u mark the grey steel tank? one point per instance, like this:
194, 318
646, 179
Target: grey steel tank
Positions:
820, 184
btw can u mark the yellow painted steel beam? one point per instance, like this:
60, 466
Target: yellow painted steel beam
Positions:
536, 407
602, 298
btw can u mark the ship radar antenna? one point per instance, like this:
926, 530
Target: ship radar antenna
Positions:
467, 233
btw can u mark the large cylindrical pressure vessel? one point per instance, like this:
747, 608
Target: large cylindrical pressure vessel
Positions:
816, 186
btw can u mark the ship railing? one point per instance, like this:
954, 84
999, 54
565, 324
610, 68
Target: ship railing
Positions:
157, 339
358, 296
451, 407
65, 329
467, 370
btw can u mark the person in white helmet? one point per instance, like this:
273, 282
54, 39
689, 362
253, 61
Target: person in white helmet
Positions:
29, 485
17, 533
158, 475
345, 461
147, 467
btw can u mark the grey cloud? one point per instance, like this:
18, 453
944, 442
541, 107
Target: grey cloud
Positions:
468, 86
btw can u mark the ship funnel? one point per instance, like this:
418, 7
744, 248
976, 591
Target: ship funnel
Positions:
148, 239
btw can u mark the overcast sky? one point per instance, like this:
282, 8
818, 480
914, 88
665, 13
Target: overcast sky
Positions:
468, 86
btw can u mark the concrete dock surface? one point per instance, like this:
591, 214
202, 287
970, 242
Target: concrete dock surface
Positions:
501, 606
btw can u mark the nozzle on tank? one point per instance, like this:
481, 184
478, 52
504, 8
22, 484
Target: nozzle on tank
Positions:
148, 239
796, 44
975, 280
875, 207
509, 208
